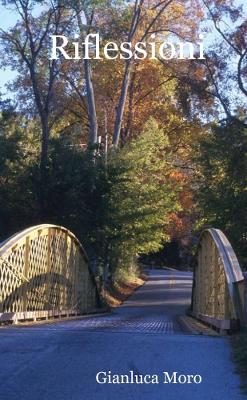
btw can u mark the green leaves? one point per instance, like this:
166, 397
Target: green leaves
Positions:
222, 196
138, 203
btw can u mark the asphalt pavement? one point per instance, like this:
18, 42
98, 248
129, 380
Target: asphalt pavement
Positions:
142, 339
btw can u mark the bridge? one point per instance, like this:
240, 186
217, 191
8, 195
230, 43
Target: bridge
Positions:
45, 273
219, 286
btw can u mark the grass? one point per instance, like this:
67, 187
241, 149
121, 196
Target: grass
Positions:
239, 346
124, 284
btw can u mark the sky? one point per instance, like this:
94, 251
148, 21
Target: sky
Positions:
8, 18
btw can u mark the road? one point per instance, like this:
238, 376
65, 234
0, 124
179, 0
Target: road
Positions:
60, 361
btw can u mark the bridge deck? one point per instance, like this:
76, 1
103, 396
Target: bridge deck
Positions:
60, 361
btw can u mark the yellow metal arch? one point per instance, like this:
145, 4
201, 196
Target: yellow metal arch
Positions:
216, 295
44, 272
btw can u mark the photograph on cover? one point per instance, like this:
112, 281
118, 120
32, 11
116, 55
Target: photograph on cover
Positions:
123, 192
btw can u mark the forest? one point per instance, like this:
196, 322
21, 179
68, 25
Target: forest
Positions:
135, 156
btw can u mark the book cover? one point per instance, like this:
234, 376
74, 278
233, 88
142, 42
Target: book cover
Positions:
123, 137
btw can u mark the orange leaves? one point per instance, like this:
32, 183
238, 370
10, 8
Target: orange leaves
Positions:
177, 176
178, 227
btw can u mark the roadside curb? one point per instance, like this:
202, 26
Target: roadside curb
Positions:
49, 321
192, 326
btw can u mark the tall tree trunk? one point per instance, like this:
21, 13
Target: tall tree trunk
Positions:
125, 83
44, 120
92, 116
121, 104
239, 75
43, 166
126, 133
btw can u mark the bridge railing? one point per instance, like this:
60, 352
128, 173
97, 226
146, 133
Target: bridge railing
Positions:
218, 286
44, 273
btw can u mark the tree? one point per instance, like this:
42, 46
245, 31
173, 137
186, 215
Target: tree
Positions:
158, 17
25, 47
233, 34
141, 197
221, 193
127, 22
19, 153
216, 86
88, 14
